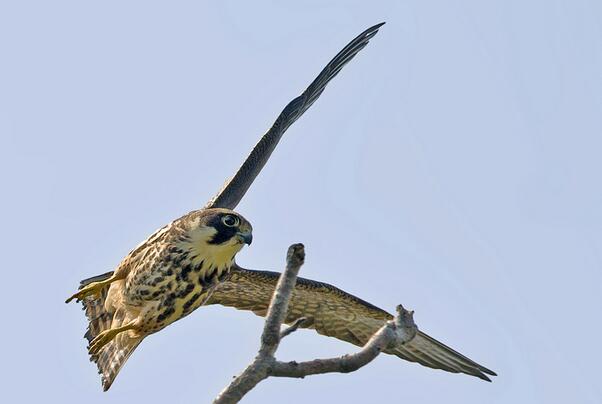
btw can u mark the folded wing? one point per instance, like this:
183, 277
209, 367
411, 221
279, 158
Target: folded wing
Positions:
335, 313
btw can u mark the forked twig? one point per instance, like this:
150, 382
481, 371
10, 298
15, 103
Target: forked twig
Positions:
400, 330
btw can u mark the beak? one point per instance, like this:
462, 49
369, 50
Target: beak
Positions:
247, 237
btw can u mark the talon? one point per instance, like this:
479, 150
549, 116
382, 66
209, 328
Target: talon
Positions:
78, 296
94, 289
100, 341
107, 336
95, 348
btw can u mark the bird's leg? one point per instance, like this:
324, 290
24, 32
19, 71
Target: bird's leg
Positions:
107, 336
92, 289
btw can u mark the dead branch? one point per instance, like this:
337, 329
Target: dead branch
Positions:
400, 330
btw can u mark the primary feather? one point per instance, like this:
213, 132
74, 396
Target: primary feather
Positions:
335, 313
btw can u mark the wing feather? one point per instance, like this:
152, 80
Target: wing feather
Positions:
238, 185
335, 313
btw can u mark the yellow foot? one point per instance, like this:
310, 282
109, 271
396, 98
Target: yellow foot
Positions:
92, 289
105, 337
101, 340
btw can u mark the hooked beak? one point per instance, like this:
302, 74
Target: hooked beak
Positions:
247, 237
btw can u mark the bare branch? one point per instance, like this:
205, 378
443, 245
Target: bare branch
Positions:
258, 370
400, 330
279, 304
293, 327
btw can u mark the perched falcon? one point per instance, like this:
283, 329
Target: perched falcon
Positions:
191, 262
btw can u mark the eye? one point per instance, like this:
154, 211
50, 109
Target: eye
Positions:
230, 221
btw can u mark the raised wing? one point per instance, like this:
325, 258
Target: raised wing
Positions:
335, 313
238, 185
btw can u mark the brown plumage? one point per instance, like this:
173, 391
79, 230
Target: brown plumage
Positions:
327, 309
335, 313
114, 355
162, 280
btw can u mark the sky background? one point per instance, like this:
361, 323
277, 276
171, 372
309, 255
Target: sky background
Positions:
454, 166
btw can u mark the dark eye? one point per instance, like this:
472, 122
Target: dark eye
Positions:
230, 221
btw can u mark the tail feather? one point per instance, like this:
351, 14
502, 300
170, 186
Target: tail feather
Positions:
114, 355
94, 306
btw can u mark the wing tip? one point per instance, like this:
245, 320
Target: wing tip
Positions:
483, 376
483, 369
370, 32
482, 373
377, 26
489, 372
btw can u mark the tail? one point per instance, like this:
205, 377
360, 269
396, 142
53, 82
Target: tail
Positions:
114, 355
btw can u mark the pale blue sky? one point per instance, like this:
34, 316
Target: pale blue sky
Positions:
454, 166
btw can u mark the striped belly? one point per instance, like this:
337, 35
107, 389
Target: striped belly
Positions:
171, 299
174, 305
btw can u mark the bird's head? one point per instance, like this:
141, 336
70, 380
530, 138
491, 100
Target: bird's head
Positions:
215, 236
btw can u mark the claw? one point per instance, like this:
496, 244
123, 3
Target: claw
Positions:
107, 336
93, 289
100, 341
78, 296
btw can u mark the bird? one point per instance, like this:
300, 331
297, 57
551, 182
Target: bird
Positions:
190, 263
162, 280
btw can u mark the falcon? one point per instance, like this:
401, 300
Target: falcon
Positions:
191, 263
